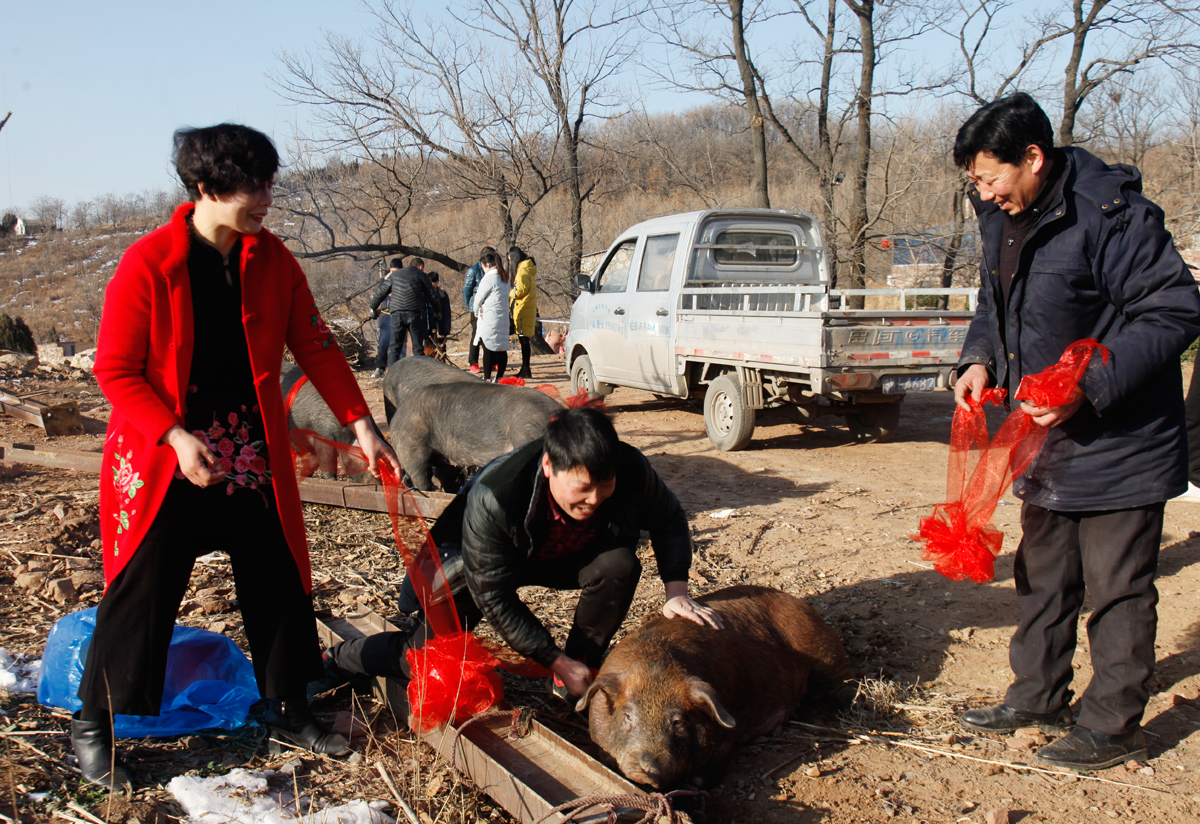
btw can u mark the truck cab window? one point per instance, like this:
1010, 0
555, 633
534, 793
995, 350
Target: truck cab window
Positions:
658, 259
741, 247
615, 275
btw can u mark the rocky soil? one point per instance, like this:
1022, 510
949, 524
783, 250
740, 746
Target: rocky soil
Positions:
802, 509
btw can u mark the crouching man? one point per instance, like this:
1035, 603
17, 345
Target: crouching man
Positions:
564, 511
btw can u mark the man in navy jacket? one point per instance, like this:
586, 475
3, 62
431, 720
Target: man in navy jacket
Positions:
1073, 250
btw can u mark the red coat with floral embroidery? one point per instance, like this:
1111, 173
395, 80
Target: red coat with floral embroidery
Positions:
144, 354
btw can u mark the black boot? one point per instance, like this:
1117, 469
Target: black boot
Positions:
293, 723
98, 762
1003, 718
1084, 749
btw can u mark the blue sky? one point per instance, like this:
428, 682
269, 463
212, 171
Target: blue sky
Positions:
96, 89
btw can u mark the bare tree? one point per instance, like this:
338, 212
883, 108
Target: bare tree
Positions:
574, 49
49, 211
713, 37
425, 109
82, 215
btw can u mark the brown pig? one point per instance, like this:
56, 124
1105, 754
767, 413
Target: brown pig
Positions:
674, 698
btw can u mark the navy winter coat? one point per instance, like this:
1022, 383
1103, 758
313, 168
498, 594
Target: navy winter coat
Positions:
1098, 264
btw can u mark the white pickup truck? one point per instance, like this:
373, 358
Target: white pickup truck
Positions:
737, 303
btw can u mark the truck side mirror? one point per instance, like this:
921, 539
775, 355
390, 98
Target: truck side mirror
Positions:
584, 282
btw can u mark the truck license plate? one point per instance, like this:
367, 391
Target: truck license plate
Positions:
895, 384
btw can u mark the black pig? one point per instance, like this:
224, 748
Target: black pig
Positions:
309, 411
674, 698
439, 414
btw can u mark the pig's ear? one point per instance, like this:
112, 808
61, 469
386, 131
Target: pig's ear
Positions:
608, 684
702, 693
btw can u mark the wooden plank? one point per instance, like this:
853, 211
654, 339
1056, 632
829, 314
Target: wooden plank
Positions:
371, 497
527, 776
59, 458
332, 493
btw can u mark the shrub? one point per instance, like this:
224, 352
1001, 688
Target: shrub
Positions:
16, 336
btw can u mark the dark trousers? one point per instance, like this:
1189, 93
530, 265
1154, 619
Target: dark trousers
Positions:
127, 658
493, 360
383, 341
524, 341
473, 353
1115, 554
411, 324
1192, 404
607, 580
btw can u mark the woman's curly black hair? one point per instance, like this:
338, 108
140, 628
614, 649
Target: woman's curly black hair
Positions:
224, 159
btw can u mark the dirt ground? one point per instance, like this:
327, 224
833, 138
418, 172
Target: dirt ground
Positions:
811, 513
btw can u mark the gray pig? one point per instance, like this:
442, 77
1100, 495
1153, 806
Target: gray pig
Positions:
674, 698
440, 415
309, 411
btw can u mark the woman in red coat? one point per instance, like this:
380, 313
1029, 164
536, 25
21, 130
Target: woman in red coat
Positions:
197, 456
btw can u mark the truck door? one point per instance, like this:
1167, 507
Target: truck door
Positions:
651, 316
609, 316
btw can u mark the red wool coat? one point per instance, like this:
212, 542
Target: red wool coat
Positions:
144, 354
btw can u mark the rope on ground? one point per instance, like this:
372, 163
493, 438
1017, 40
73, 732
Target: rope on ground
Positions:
656, 806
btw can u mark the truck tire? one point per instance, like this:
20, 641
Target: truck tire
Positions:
583, 377
875, 424
728, 421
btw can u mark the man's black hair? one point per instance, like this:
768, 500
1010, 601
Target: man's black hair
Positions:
226, 158
396, 263
434, 277
1004, 128
583, 437
417, 263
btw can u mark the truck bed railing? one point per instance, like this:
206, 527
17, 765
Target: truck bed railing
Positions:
761, 298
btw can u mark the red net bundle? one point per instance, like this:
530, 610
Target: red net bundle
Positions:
453, 678
959, 536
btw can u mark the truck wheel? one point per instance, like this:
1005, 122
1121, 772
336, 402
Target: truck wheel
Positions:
728, 421
582, 377
876, 424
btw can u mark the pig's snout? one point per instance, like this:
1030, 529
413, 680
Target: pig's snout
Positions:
644, 768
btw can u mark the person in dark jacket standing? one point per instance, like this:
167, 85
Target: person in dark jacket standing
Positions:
564, 511
1073, 250
407, 291
470, 286
438, 314
383, 339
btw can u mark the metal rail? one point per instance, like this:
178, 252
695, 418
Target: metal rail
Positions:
54, 419
368, 497
527, 776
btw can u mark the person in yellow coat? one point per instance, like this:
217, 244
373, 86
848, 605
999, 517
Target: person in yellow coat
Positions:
522, 303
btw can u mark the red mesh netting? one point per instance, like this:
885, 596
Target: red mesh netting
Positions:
454, 676
959, 536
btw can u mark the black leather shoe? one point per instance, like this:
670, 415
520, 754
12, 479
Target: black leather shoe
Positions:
298, 727
93, 743
1003, 718
1084, 749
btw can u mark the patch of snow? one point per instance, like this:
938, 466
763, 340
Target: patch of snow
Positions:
18, 675
244, 797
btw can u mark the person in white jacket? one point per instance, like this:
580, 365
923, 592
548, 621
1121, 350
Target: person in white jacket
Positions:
491, 310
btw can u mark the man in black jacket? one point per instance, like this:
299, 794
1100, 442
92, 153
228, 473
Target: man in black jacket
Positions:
564, 511
407, 292
1073, 250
